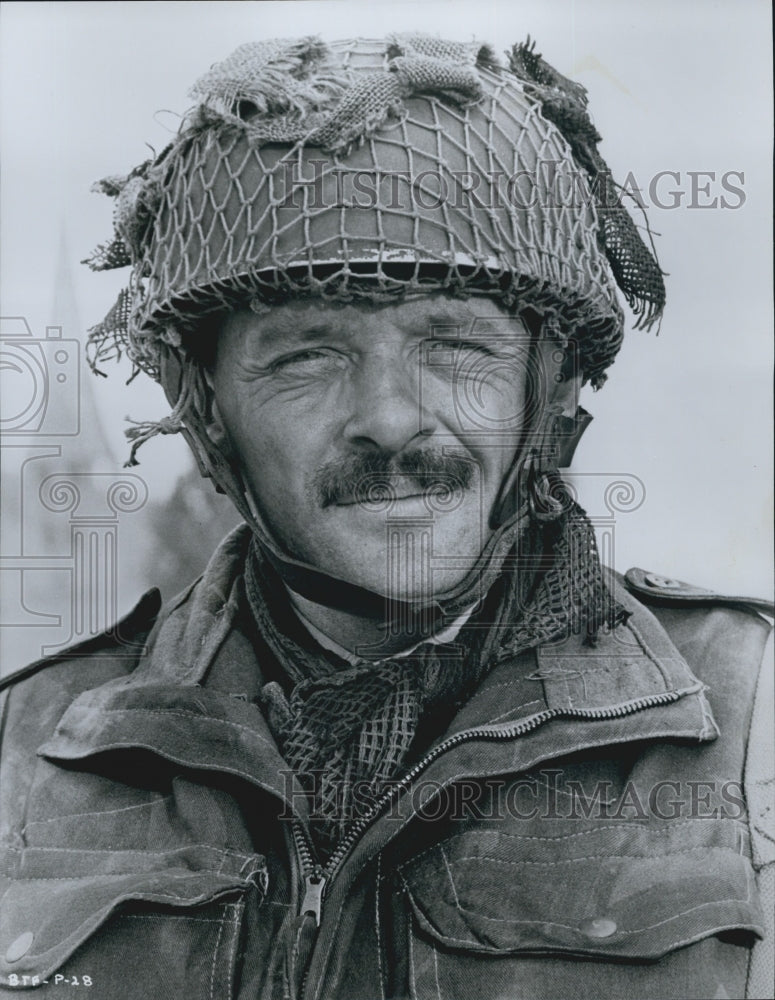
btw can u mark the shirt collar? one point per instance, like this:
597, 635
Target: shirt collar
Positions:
444, 635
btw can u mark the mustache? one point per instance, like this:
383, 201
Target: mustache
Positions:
371, 476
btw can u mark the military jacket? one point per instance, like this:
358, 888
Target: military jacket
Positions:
581, 829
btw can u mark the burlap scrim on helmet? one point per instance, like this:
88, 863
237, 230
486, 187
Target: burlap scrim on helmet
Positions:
564, 103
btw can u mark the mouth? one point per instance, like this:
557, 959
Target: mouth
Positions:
371, 499
397, 490
378, 480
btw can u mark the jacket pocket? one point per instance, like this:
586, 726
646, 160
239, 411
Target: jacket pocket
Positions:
591, 912
129, 923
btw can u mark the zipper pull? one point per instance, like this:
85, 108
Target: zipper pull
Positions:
314, 885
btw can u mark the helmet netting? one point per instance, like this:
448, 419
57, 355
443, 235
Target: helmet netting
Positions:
226, 216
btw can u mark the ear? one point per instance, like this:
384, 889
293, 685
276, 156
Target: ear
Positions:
566, 391
215, 426
564, 381
563, 377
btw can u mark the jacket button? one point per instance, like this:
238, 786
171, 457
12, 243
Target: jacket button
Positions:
18, 949
600, 927
662, 582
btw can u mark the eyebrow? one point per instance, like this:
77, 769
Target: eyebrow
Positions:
270, 333
288, 330
484, 324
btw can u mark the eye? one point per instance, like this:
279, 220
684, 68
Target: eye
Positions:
440, 352
311, 360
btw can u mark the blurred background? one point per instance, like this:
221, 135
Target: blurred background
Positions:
681, 93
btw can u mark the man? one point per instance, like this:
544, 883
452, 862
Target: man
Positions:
405, 737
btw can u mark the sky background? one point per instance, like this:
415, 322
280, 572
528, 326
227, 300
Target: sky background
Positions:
682, 86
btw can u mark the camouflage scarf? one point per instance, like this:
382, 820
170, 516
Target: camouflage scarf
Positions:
349, 730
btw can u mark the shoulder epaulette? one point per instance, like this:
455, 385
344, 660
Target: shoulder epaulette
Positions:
664, 590
124, 633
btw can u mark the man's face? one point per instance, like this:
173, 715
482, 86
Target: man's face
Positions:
374, 439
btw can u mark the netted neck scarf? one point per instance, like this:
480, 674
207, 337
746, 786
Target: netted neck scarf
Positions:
348, 730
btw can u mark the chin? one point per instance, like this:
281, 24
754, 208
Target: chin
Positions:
406, 572
412, 559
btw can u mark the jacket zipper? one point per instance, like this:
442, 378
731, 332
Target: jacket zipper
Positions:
317, 877
311, 871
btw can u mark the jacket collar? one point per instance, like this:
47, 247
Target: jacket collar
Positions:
164, 706
632, 668
633, 684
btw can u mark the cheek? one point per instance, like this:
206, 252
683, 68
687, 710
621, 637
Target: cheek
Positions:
493, 416
278, 453
483, 396
273, 461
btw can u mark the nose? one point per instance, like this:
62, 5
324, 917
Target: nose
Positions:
386, 408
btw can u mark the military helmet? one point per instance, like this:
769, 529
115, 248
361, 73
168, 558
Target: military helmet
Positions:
376, 169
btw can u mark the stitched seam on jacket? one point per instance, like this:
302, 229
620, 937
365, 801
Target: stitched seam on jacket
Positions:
568, 673
451, 879
207, 720
220, 851
83, 878
622, 933
709, 723
98, 812
166, 916
511, 711
575, 928
568, 795
378, 927
596, 857
624, 824
235, 923
412, 967
632, 627
222, 921
436, 972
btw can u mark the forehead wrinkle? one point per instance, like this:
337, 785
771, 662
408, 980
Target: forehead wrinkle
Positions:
280, 328
446, 311
278, 331
475, 326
